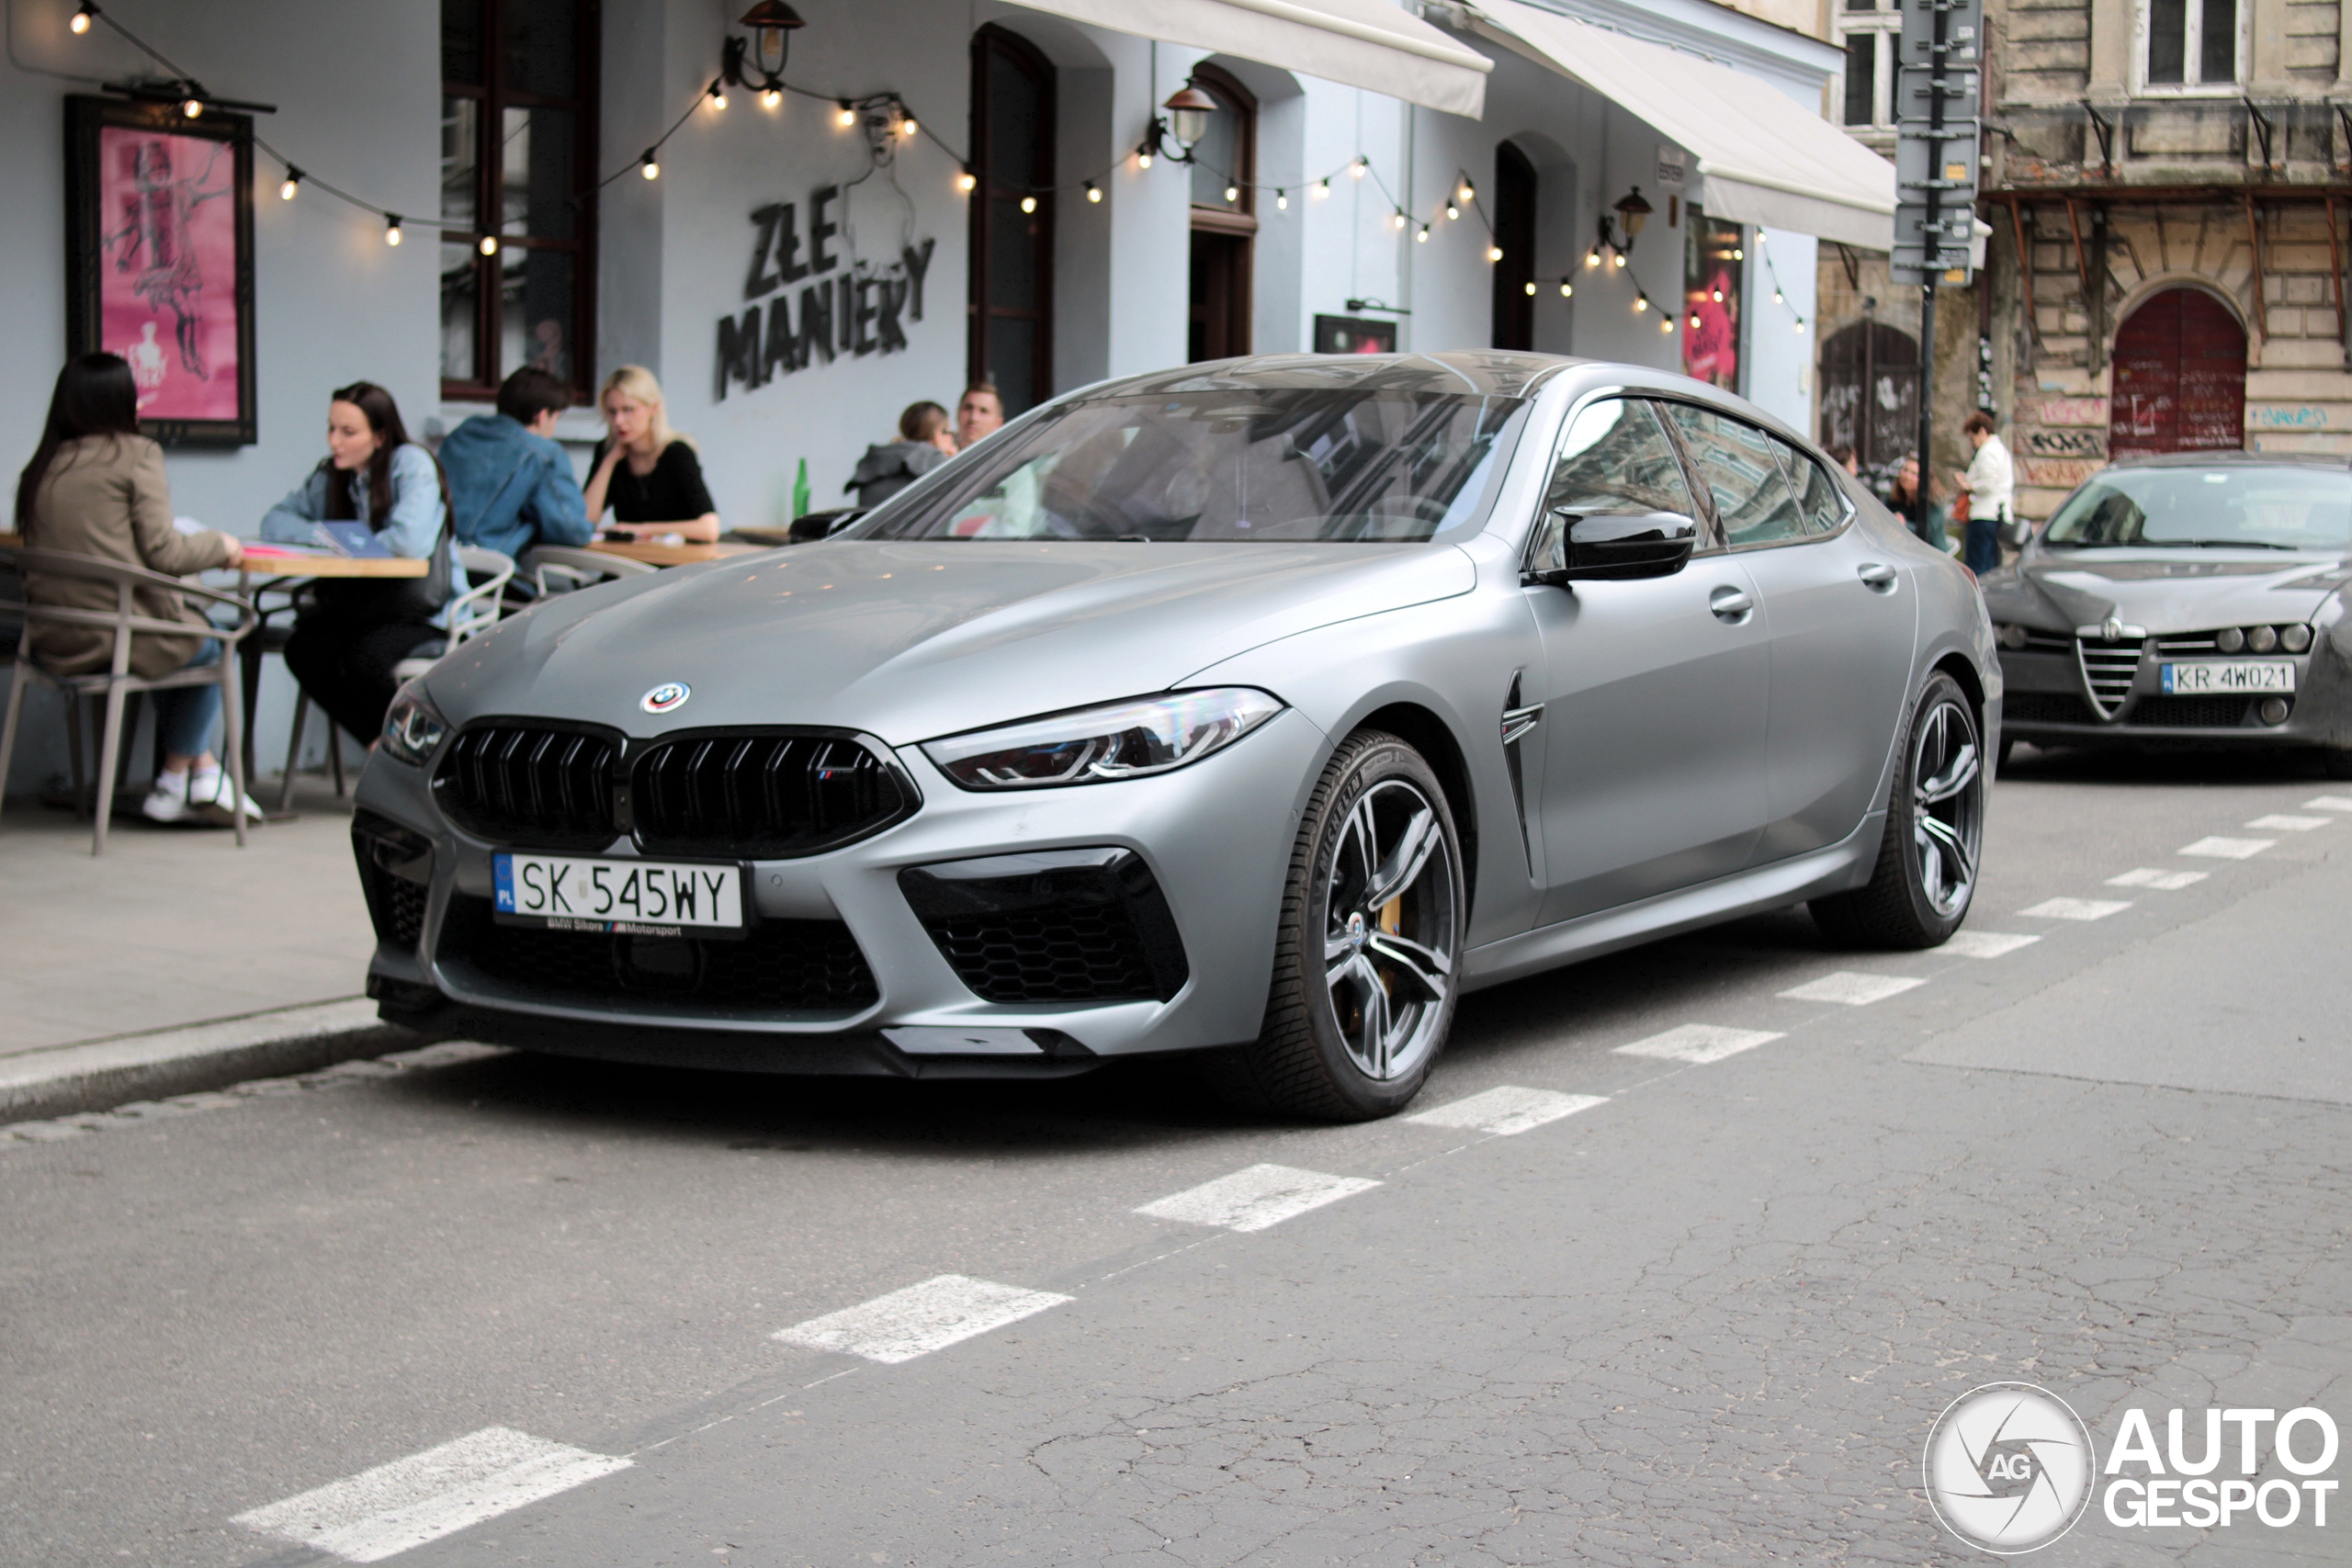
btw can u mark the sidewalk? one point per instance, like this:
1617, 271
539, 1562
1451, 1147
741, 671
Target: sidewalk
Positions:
177, 962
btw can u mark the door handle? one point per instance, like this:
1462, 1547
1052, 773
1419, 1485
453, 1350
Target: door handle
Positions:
1876, 576
1730, 603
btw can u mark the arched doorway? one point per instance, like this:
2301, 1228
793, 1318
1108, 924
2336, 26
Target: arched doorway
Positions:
2179, 377
1011, 286
1224, 228
1514, 275
1870, 392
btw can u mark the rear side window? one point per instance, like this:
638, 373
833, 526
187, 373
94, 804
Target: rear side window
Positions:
1735, 463
1616, 459
1817, 497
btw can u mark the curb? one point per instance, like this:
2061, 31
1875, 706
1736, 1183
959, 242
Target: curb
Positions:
98, 1073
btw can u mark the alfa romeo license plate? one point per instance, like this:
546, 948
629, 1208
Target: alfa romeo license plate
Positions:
2230, 675
640, 898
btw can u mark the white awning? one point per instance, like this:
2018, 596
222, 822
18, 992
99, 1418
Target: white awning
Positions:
1766, 159
1372, 44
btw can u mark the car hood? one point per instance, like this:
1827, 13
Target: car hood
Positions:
2163, 590
910, 639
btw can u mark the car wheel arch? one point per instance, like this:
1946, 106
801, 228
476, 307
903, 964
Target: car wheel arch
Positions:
1422, 728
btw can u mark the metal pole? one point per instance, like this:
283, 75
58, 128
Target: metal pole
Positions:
1927, 384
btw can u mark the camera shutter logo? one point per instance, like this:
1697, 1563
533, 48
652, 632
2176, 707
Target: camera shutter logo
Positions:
667, 697
2010, 1468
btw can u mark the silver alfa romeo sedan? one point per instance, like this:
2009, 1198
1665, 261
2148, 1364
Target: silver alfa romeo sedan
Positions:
1256, 710
2196, 599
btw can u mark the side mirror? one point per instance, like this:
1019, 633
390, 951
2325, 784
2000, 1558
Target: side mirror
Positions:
1612, 548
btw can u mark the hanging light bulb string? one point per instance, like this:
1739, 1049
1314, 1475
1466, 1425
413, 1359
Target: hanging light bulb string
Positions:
1780, 294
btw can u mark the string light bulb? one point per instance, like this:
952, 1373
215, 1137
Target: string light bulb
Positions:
845, 116
192, 108
1451, 211
1357, 168
966, 181
1592, 258
1531, 287
1568, 289
1465, 193
1143, 156
1641, 303
1719, 296
391, 228
1093, 191
489, 246
1424, 237
1738, 254
1776, 298
1396, 221
718, 96
1694, 318
649, 165
1494, 252
1232, 192
1666, 323
1619, 258
1028, 204
80, 22
771, 98
907, 126
1800, 326
1323, 187
1281, 201
289, 186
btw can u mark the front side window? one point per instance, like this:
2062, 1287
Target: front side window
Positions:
1736, 464
1258, 465
518, 134
1616, 459
2191, 44
2232, 507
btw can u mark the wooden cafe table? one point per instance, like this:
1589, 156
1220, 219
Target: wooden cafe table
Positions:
284, 569
654, 553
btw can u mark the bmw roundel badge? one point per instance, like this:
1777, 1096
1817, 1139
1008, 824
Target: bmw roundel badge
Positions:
666, 697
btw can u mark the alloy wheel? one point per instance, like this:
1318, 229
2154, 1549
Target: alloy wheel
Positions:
1947, 806
1390, 929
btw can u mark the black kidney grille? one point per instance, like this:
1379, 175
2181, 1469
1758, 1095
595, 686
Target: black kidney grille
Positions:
778, 966
764, 796
530, 784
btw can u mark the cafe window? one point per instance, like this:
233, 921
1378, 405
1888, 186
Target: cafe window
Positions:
1011, 295
518, 149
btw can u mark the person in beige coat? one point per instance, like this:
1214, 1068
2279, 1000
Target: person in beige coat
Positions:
95, 488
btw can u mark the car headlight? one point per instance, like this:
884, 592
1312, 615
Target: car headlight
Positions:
1099, 745
412, 730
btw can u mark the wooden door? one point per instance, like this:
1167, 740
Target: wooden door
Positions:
1514, 306
2179, 381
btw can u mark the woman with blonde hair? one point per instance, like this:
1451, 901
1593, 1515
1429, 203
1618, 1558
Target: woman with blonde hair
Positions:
646, 471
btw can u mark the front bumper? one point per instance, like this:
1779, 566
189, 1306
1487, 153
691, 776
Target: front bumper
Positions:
2046, 701
1215, 837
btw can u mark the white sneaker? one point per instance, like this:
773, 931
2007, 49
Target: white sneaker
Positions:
167, 802
209, 795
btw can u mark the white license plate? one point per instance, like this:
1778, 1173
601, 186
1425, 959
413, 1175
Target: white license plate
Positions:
2230, 675
638, 896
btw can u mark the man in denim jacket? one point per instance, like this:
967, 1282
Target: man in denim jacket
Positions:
510, 485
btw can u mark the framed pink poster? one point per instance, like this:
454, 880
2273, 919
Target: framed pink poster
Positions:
159, 261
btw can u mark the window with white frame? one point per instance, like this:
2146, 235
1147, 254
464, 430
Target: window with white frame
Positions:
2187, 44
1868, 30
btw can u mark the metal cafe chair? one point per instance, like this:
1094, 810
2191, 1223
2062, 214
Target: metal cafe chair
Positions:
117, 684
488, 572
559, 569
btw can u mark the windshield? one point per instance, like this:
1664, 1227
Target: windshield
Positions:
2224, 507
1259, 464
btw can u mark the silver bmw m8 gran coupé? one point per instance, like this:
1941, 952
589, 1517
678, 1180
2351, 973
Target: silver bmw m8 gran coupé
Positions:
1256, 709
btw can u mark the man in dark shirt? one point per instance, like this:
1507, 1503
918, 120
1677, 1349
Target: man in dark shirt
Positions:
510, 484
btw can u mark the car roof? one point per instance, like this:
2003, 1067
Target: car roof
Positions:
1472, 372
2230, 456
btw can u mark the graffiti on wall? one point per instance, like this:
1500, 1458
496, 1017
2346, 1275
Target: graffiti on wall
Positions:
2059, 473
2066, 442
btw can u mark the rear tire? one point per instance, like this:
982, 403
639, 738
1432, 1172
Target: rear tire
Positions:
1367, 952
1925, 877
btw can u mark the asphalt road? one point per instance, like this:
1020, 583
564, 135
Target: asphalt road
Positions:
1704, 1310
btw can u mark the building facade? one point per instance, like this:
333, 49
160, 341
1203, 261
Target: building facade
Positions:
929, 194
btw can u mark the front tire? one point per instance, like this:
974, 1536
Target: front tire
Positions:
1925, 877
1367, 953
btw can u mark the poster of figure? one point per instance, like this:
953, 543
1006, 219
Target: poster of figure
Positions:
159, 260
1713, 263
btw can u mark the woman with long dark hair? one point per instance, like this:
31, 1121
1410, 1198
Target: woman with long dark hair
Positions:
95, 488
353, 631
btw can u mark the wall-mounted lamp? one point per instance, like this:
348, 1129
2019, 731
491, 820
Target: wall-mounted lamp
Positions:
747, 62
1188, 115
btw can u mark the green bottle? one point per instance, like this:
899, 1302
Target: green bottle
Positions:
800, 491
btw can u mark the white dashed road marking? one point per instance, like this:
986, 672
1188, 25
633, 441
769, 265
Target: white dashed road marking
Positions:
2076, 908
1852, 988
1985, 944
1699, 1043
1506, 1109
1253, 1199
2284, 823
2329, 802
2228, 849
2167, 881
382, 1512
920, 1319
